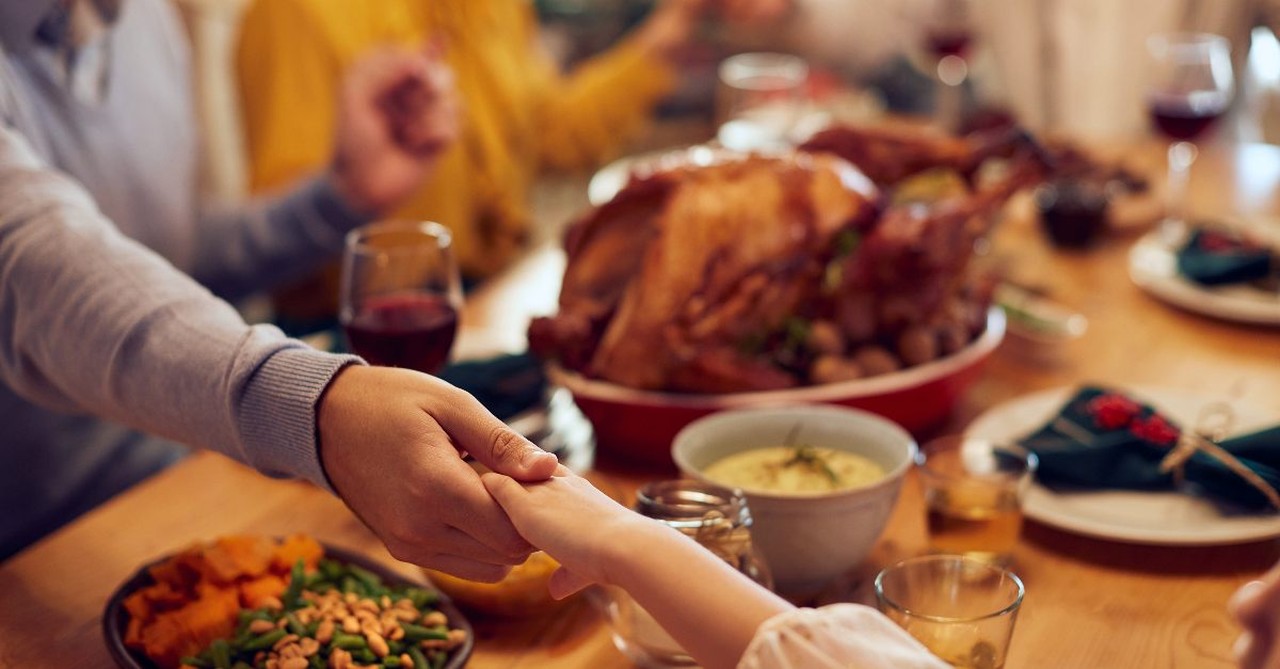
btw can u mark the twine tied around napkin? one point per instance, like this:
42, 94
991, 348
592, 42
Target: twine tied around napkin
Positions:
1214, 424
1101, 438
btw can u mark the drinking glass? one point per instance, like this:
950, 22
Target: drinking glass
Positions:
716, 517
963, 610
973, 492
400, 294
760, 100
948, 37
1191, 85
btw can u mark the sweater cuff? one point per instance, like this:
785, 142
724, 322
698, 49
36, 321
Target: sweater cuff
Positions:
278, 412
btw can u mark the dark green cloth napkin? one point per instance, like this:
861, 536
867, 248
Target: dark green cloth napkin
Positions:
506, 385
1104, 439
1214, 256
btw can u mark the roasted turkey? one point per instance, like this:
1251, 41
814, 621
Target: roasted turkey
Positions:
760, 273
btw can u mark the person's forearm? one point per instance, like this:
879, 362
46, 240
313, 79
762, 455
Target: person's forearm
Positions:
710, 608
93, 322
272, 239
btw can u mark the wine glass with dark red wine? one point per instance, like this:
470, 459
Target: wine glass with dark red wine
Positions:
948, 37
401, 294
1190, 88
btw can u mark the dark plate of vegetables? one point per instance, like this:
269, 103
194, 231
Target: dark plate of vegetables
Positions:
394, 621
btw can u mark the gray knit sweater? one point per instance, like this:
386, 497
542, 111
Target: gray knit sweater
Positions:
94, 325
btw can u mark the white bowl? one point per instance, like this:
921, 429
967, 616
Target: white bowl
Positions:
808, 540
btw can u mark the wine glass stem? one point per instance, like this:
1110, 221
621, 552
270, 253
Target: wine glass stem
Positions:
1181, 156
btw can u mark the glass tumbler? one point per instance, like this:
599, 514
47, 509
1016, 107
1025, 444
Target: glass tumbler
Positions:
963, 610
716, 517
973, 491
760, 100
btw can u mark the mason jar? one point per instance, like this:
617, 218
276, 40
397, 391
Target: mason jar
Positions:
718, 519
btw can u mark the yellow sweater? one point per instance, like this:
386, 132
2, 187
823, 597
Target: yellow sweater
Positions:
519, 113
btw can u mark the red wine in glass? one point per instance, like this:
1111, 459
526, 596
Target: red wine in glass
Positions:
949, 43
1185, 117
414, 330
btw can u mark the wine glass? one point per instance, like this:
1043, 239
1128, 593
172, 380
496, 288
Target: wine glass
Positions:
760, 99
400, 294
1190, 87
947, 39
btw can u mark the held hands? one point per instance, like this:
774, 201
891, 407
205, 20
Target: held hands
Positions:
398, 110
391, 442
574, 523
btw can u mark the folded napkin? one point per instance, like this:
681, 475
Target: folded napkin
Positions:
506, 385
1104, 439
1216, 256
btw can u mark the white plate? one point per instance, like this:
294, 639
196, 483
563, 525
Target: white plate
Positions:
1160, 518
1154, 267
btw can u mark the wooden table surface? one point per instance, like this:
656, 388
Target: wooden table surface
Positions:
1089, 603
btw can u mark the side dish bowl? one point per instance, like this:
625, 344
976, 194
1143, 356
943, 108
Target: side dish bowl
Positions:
115, 618
807, 539
639, 425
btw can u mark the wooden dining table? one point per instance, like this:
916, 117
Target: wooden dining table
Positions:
1089, 602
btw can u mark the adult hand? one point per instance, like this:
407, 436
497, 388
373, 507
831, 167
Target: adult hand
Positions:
397, 111
552, 514
1257, 606
391, 442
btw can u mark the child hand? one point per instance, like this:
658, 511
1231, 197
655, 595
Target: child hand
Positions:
1257, 606
571, 520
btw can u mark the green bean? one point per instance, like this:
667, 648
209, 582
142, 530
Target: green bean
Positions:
312, 627
364, 656
391, 661
192, 661
419, 660
332, 570
437, 659
367, 577
294, 626
221, 653
396, 647
297, 579
263, 642
348, 641
316, 662
422, 598
415, 633
350, 584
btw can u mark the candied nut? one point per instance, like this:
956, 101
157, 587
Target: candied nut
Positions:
396, 633
260, 626
404, 603
385, 602
294, 663
309, 646
406, 660
284, 641
272, 603
281, 624
273, 663
457, 637
404, 615
952, 337
433, 644
324, 633
350, 625
350, 598
434, 619
339, 659
377, 644
291, 650
371, 627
